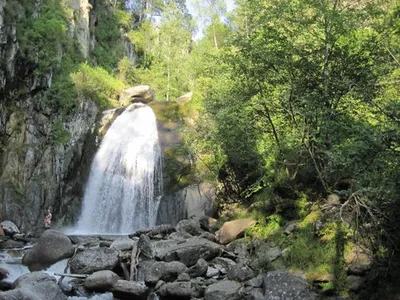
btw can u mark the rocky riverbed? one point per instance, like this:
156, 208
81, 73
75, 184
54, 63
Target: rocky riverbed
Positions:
187, 261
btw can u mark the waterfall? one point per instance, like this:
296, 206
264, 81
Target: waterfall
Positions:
124, 187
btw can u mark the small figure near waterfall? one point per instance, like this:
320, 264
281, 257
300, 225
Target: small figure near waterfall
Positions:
47, 218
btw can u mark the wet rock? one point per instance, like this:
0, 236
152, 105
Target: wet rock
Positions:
130, 290
40, 285
199, 269
11, 244
283, 286
240, 272
101, 281
188, 252
9, 228
3, 273
93, 260
233, 229
223, 290
176, 290
160, 229
51, 247
123, 244
166, 271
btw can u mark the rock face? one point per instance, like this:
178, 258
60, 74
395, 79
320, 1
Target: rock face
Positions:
192, 201
35, 286
233, 229
93, 260
140, 93
50, 248
283, 286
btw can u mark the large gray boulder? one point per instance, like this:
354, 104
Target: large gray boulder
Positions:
284, 286
123, 244
199, 269
34, 286
51, 247
188, 251
101, 281
176, 290
223, 290
166, 271
93, 260
130, 290
240, 272
9, 228
140, 93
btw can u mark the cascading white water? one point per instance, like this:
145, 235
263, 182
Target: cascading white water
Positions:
122, 194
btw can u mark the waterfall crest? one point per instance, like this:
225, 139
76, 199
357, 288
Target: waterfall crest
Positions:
125, 182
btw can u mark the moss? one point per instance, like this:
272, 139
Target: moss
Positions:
59, 134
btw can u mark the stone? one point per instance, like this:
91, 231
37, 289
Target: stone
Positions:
283, 286
291, 227
124, 289
212, 272
359, 261
231, 230
51, 247
240, 272
199, 269
255, 282
2, 233
183, 277
145, 246
333, 199
11, 244
176, 290
41, 285
355, 282
9, 228
223, 264
189, 226
223, 290
101, 281
188, 252
140, 93
209, 236
273, 254
185, 98
209, 224
166, 271
123, 244
252, 294
3, 273
93, 260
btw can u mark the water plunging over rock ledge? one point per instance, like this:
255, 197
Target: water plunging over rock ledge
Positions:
125, 181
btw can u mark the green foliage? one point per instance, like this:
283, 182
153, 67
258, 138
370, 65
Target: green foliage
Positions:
265, 228
127, 72
59, 134
97, 84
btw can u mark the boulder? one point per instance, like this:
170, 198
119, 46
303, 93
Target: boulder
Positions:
130, 290
188, 251
9, 228
183, 277
3, 273
240, 272
101, 281
233, 229
123, 244
34, 286
166, 271
199, 269
359, 260
212, 272
140, 93
176, 290
93, 260
11, 244
51, 247
223, 264
185, 98
189, 226
283, 286
223, 290
355, 283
